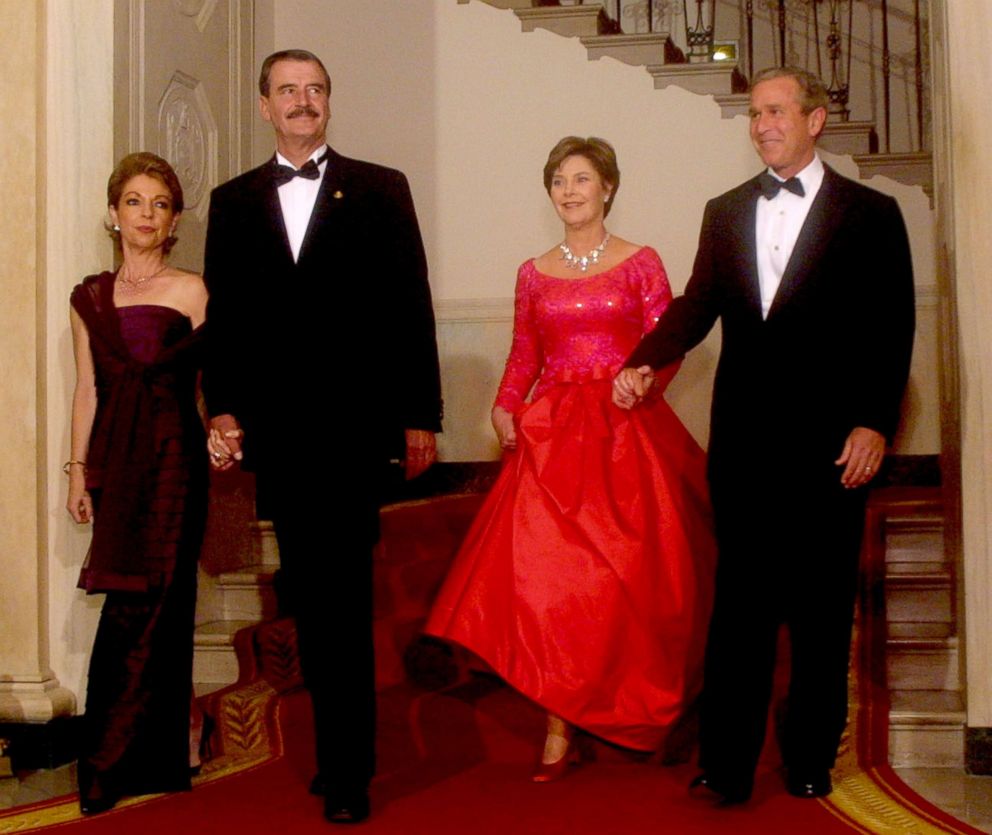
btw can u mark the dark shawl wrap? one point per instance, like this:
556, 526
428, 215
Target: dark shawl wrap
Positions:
122, 455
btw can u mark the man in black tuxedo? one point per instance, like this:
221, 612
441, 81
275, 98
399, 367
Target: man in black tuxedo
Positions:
322, 365
811, 277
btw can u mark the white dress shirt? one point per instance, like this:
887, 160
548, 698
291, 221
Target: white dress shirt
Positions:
297, 199
777, 227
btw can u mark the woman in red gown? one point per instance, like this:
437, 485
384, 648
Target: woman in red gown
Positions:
585, 581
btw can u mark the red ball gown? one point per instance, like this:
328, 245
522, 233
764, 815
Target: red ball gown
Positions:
586, 579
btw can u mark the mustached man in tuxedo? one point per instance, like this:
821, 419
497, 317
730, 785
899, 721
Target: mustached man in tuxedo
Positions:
314, 260
811, 278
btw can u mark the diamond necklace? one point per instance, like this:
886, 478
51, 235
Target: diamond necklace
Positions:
582, 262
130, 285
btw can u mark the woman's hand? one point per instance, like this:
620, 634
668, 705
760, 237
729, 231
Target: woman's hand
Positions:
79, 504
224, 442
506, 430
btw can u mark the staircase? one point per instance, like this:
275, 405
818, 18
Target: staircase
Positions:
922, 663
242, 598
666, 64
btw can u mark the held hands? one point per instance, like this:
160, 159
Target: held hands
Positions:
631, 386
79, 503
506, 431
421, 451
861, 457
224, 442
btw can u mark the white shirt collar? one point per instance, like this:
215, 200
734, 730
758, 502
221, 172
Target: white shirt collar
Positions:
811, 176
314, 156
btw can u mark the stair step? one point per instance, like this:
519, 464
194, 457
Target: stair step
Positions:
905, 572
246, 595
568, 21
919, 603
638, 50
923, 664
927, 707
926, 728
907, 545
913, 745
733, 104
914, 169
506, 4
849, 138
714, 78
215, 663
910, 630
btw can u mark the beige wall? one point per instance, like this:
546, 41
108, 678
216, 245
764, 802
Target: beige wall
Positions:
79, 139
55, 138
965, 184
468, 106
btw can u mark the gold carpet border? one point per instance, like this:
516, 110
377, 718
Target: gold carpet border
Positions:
247, 735
863, 797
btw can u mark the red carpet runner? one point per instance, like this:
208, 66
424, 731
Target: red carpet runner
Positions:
458, 759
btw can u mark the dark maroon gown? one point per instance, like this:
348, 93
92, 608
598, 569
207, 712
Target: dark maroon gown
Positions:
146, 472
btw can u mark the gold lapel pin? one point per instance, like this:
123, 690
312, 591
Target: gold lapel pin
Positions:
338, 195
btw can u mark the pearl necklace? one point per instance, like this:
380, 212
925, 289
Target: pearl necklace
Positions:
582, 262
131, 286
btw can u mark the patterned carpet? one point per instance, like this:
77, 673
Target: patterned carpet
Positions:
456, 747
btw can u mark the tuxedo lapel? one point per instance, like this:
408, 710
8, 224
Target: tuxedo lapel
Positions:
748, 214
272, 210
825, 216
331, 198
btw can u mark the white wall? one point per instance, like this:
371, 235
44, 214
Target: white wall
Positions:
455, 95
79, 158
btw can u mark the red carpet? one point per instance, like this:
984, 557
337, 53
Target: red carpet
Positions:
458, 759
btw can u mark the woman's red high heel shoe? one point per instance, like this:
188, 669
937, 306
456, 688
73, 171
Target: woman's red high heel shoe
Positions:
546, 772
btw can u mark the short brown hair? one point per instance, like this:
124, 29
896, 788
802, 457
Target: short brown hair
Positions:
600, 154
813, 92
289, 55
144, 162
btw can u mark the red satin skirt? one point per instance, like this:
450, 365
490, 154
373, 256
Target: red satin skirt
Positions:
586, 579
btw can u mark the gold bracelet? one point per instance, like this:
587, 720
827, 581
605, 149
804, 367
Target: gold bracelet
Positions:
68, 464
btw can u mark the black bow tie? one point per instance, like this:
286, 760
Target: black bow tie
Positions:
770, 185
282, 174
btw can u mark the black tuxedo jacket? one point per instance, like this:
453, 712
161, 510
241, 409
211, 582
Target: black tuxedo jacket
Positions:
327, 359
833, 353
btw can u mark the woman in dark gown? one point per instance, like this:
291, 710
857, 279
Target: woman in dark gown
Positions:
137, 471
585, 580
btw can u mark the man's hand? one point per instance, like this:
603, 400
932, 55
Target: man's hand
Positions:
862, 456
224, 442
631, 386
421, 451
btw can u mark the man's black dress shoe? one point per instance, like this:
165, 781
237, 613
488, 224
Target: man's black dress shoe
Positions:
728, 794
347, 807
809, 784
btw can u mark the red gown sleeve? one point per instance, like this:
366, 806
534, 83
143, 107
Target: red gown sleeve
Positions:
656, 294
523, 365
